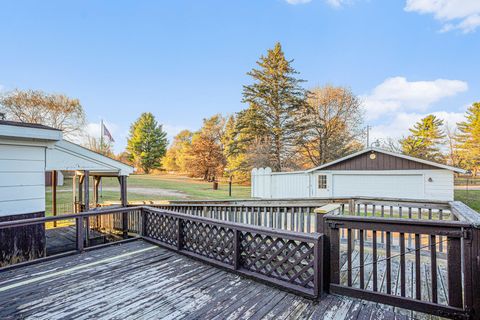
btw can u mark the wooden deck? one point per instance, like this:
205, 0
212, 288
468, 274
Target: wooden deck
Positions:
64, 238
138, 280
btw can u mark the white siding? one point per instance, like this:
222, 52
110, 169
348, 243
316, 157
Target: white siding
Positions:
411, 184
22, 179
441, 187
290, 186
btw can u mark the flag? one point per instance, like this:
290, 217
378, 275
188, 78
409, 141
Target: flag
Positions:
107, 133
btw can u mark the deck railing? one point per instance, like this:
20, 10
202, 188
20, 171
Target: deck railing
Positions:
287, 259
427, 262
401, 275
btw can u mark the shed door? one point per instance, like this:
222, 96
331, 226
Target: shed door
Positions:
379, 185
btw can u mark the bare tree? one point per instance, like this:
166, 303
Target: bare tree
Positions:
332, 121
34, 106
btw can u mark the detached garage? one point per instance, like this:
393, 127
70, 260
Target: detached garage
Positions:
369, 173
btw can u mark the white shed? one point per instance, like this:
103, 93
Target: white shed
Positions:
369, 173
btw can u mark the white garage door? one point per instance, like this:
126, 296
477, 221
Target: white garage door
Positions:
384, 186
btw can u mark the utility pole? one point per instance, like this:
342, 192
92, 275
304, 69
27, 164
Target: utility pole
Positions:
368, 136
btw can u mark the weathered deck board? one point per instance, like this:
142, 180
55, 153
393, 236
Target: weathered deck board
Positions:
139, 280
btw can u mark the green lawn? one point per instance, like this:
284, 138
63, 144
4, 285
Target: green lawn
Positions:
146, 187
471, 198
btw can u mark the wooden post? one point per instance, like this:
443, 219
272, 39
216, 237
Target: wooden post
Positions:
54, 195
80, 193
80, 233
236, 249
86, 191
96, 184
331, 242
124, 202
74, 193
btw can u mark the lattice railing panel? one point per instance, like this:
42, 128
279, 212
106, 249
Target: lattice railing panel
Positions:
286, 260
161, 227
211, 241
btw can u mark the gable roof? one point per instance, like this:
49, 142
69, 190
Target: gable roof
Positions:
26, 125
66, 155
399, 155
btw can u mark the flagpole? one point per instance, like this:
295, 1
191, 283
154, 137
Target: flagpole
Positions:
101, 151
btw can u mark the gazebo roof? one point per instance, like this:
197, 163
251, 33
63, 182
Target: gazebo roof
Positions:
62, 154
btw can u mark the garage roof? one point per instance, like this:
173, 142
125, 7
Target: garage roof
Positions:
389, 153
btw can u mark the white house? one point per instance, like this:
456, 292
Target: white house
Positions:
27, 152
369, 173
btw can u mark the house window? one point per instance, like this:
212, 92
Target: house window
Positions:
322, 182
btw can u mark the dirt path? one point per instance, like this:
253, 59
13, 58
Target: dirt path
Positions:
152, 192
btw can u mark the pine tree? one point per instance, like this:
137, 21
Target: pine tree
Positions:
277, 96
469, 138
147, 142
426, 139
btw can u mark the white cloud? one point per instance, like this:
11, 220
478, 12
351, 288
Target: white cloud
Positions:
173, 130
455, 14
400, 123
397, 94
297, 1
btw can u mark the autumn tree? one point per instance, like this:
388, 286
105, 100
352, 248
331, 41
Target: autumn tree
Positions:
34, 106
468, 138
176, 157
206, 158
332, 125
147, 142
96, 144
425, 140
276, 96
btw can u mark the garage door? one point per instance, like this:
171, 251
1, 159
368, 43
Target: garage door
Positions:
388, 186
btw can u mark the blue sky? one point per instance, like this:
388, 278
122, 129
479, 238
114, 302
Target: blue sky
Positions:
187, 60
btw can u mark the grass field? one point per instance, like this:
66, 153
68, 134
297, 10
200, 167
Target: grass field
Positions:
171, 187
150, 187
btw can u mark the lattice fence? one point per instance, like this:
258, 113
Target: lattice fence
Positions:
285, 258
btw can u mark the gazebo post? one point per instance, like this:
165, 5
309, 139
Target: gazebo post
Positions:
80, 192
74, 192
96, 184
54, 195
86, 186
124, 203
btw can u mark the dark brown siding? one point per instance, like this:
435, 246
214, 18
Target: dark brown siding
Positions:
382, 162
22, 243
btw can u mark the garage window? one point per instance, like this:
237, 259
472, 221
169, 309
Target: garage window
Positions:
322, 182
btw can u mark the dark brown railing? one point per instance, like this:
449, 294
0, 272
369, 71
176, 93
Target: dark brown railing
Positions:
401, 276
427, 263
287, 259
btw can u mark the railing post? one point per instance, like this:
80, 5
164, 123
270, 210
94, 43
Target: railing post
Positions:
143, 229
236, 249
471, 259
331, 243
80, 233
179, 234
454, 272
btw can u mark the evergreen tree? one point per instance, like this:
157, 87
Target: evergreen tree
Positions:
276, 96
147, 142
469, 138
426, 139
